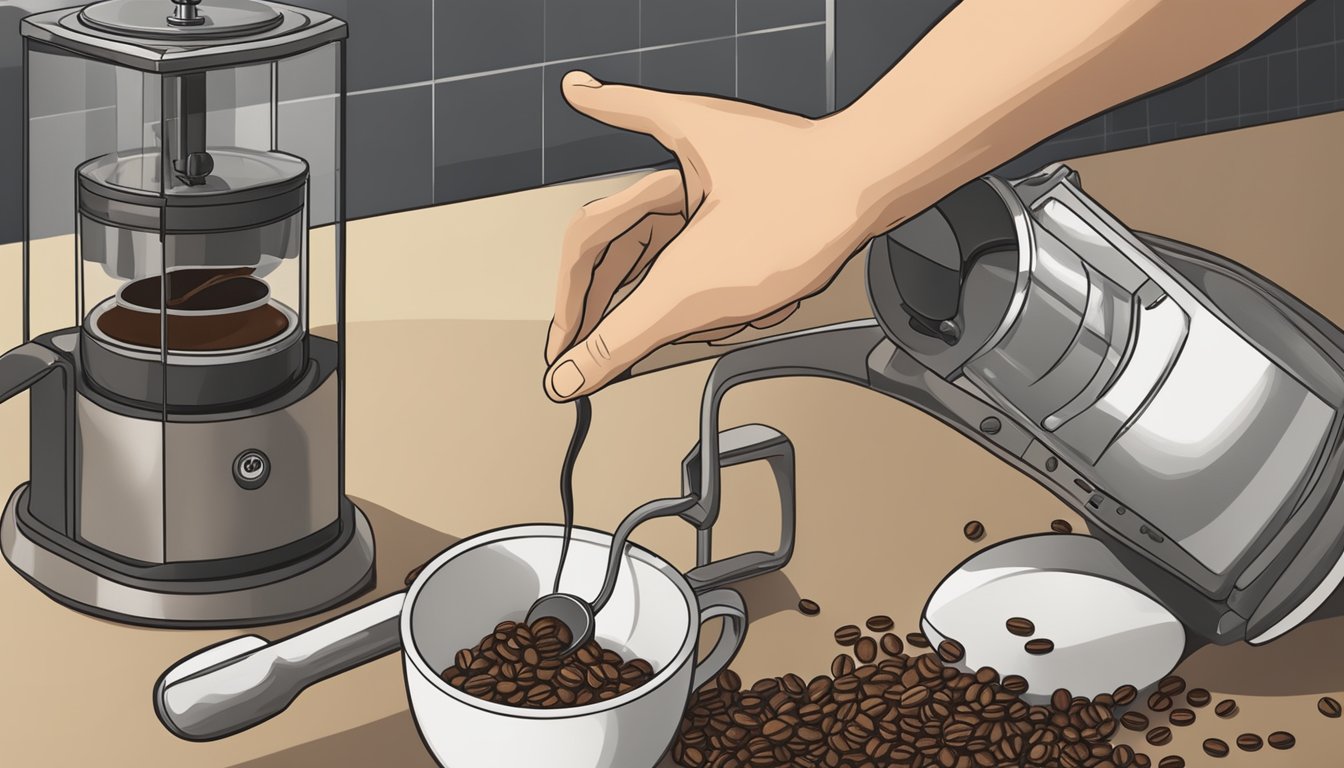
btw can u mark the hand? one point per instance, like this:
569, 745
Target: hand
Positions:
763, 212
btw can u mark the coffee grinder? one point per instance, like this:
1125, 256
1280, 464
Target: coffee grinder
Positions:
185, 380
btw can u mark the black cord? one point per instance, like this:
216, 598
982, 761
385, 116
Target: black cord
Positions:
583, 416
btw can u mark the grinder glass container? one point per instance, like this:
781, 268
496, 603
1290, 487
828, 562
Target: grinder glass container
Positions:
183, 191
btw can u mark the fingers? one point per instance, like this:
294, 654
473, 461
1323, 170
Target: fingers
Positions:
776, 317
657, 113
668, 304
597, 225
626, 260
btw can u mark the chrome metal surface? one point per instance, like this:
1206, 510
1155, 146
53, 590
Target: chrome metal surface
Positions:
326, 578
182, 19
165, 492
299, 30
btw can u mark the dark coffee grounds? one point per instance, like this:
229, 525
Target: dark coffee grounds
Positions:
520, 665
194, 333
214, 290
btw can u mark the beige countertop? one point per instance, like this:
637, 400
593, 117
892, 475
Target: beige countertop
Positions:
449, 434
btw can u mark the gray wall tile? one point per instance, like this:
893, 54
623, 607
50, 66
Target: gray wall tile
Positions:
871, 35
1164, 132
578, 146
768, 14
1282, 79
680, 21
391, 42
1127, 117
1339, 70
390, 164
706, 68
1316, 75
1181, 105
785, 70
1254, 89
487, 134
576, 28
482, 35
1223, 95
1316, 24
1281, 37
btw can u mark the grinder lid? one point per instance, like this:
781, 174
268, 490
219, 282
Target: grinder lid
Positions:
160, 18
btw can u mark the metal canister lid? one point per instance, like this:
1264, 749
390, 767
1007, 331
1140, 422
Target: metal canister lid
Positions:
181, 19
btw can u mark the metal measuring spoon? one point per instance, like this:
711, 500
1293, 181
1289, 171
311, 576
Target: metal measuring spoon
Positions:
569, 610
577, 614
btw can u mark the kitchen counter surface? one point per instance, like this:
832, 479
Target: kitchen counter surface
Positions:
449, 434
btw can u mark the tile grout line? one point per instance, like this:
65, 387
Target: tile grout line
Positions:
830, 56
433, 107
542, 89
737, 48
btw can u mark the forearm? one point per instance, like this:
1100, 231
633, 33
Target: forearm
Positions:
994, 78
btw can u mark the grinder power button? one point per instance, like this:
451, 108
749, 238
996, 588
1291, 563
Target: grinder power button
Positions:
251, 468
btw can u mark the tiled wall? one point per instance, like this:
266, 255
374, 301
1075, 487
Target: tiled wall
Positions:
1294, 70
456, 99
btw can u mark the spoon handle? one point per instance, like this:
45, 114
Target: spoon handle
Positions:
232, 686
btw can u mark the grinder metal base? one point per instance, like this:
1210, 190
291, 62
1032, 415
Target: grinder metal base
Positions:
323, 579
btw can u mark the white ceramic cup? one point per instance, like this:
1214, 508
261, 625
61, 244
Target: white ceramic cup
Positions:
463, 593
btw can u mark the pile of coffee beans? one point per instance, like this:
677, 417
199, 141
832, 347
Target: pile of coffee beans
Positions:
903, 710
1165, 704
520, 665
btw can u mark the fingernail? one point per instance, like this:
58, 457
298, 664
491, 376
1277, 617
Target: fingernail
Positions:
581, 78
566, 379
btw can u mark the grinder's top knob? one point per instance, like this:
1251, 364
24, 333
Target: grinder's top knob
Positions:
184, 13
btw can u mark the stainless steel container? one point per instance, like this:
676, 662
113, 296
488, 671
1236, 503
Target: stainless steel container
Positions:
187, 455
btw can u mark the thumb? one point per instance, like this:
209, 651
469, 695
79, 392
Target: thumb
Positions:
613, 347
657, 113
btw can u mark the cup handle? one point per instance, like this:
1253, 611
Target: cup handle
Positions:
728, 604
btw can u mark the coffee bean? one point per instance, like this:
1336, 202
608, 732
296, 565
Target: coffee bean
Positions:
1226, 708
951, 651
1159, 736
1159, 702
917, 639
1020, 627
411, 574
1198, 697
1171, 685
866, 650
892, 645
1061, 526
901, 712
1171, 761
808, 607
1134, 721
1125, 694
1215, 748
1281, 740
879, 623
1249, 742
1039, 646
974, 530
1328, 707
842, 665
1181, 717
516, 665
848, 635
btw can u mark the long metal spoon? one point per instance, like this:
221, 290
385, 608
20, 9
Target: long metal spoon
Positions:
571, 611
577, 614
